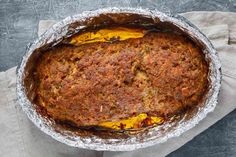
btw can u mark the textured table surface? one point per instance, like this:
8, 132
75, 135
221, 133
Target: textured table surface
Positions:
18, 26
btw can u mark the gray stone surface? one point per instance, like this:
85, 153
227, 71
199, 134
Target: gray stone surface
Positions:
18, 26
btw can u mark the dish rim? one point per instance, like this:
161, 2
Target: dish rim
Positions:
177, 20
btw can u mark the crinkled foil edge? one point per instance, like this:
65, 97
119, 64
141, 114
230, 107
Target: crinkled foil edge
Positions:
60, 29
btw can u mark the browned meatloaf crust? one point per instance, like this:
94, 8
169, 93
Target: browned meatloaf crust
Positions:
160, 74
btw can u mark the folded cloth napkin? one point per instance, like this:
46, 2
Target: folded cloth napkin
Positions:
20, 138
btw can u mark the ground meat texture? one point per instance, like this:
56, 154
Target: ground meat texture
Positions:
161, 74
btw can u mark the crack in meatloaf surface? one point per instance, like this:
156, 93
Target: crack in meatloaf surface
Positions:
160, 74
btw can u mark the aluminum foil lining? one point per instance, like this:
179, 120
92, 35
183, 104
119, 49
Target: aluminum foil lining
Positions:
107, 16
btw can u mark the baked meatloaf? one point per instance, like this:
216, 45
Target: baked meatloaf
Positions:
160, 75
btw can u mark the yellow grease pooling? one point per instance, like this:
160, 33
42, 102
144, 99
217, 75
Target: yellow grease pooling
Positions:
107, 35
133, 122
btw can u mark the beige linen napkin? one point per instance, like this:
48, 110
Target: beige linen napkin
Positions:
20, 138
